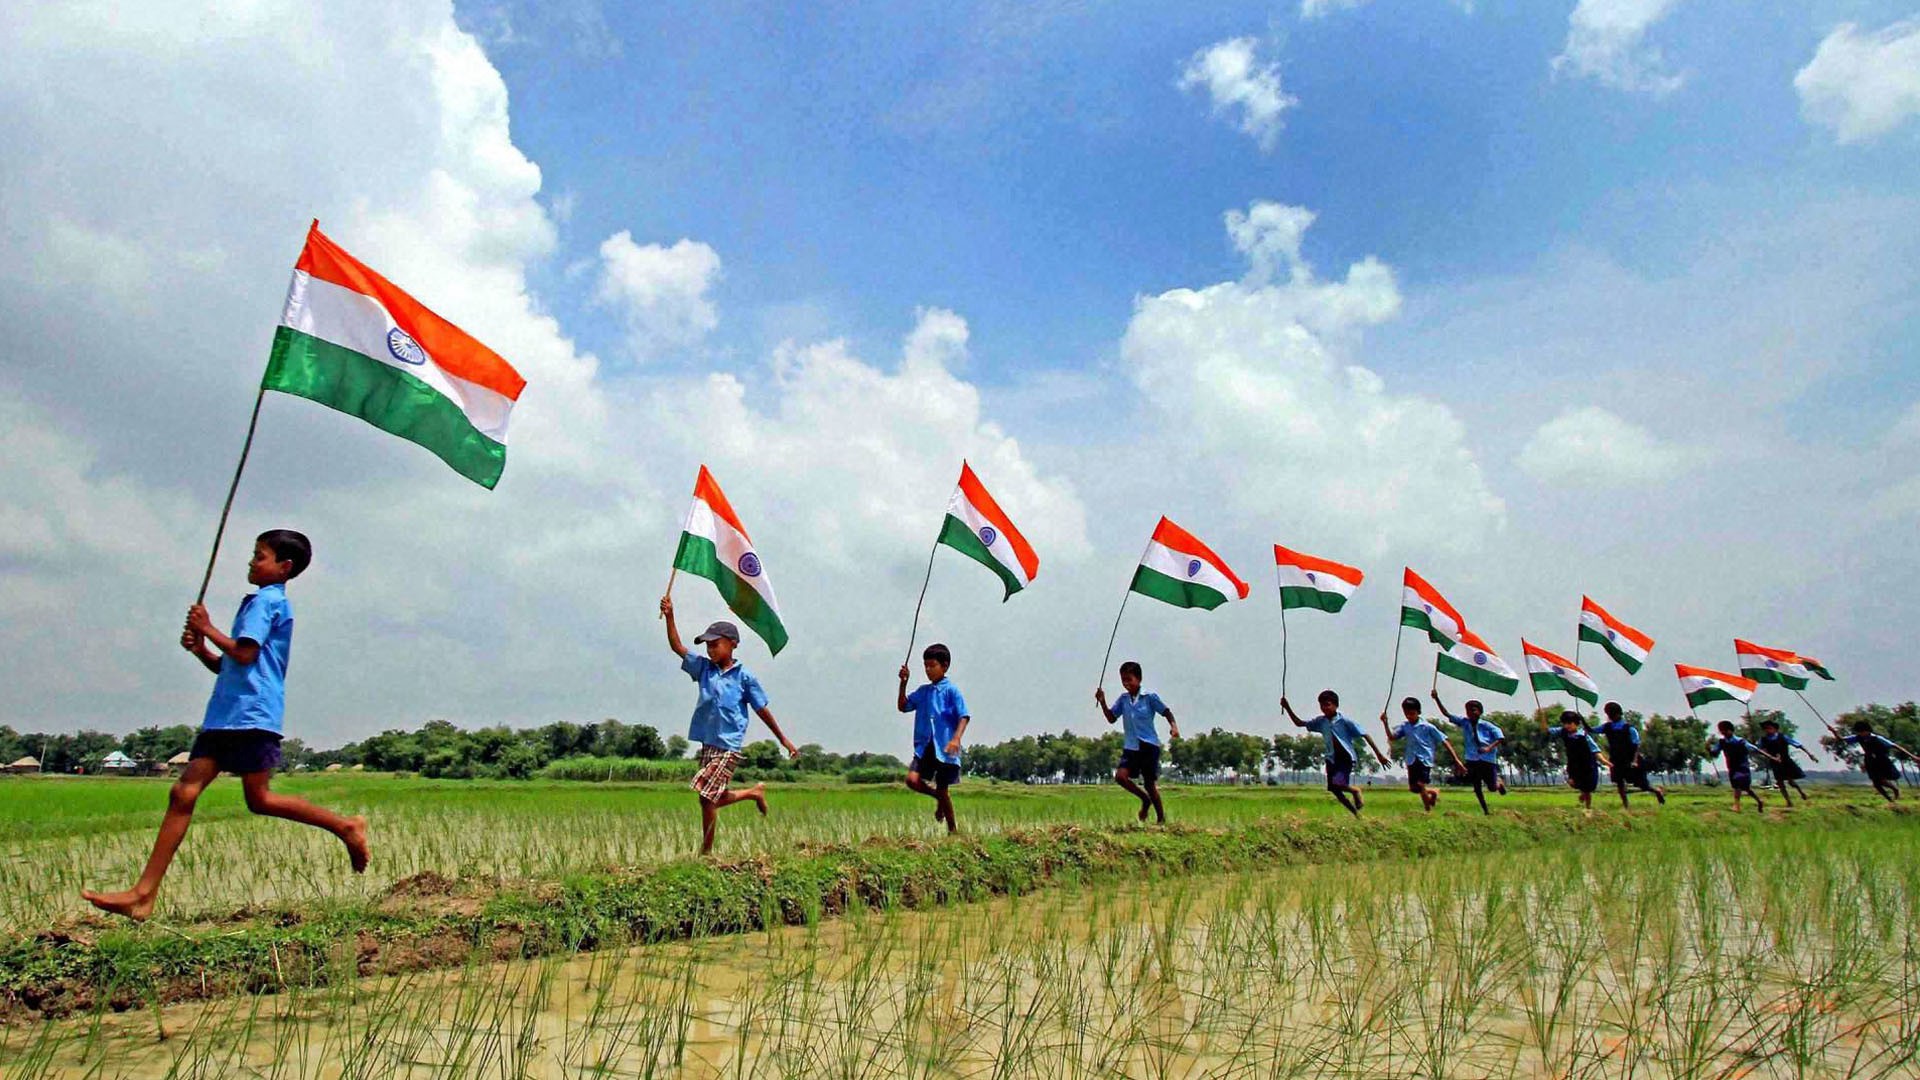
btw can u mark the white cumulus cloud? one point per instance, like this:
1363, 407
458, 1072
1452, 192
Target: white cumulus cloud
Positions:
1235, 80
1606, 42
1861, 86
1591, 446
659, 292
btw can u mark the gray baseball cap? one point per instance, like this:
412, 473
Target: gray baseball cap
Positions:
721, 629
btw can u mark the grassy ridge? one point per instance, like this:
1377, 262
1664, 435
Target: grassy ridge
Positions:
429, 922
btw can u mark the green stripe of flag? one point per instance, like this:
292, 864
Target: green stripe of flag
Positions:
960, 536
384, 396
1594, 635
1300, 596
1770, 675
1419, 620
698, 556
1150, 582
1478, 676
1547, 680
1709, 693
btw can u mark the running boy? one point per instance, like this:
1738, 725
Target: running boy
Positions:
1139, 770
1422, 738
719, 724
1780, 746
1340, 734
240, 732
1738, 753
1583, 756
1878, 750
1483, 739
939, 721
1627, 768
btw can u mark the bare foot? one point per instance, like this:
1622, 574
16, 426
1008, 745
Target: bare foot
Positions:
130, 904
939, 813
758, 793
1144, 807
1661, 795
356, 841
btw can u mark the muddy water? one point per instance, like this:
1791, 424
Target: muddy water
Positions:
1446, 967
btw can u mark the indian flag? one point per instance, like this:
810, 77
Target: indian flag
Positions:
715, 546
351, 340
1180, 570
977, 528
1551, 671
1422, 607
1764, 665
1702, 685
1312, 582
1628, 647
1472, 660
1815, 667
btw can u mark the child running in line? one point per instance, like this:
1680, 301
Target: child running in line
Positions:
1583, 755
719, 724
1139, 770
1780, 746
1340, 734
1738, 753
939, 721
1878, 751
1626, 767
240, 732
1421, 738
1483, 739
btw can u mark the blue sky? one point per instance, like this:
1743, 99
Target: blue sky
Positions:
1608, 296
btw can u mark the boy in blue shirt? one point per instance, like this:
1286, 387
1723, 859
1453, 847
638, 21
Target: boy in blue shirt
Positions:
1780, 746
1340, 734
1877, 753
1139, 770
1739, 754
1584, 757
240, 732
719, 724
1483, 739
939, 721
1626, 767
1422, 739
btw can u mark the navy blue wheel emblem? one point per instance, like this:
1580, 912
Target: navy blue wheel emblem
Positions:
1313, 577
1193, 567
1611, 636
750, 565
987, 535
1558, 670
1480, 658
404, 348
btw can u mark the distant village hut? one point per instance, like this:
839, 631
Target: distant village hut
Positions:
177, 764
24, 766
118, 762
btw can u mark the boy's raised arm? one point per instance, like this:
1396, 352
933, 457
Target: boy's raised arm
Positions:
901, 703
1100, 698
1287, 707
673, 632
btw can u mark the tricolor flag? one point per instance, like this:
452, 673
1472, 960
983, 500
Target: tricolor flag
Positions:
351, 340
977, 528
1422, 607
1551, 671
1311, 582
1472, 660
1815, 667
715, 546
1180, 570
1627, 646
1702, 685
1764, 665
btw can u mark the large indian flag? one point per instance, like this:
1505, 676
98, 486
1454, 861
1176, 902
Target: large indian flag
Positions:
1702, 685
715, 546
351, 340
1308, 581
1764, 665
1472, 660
977, 528
1422, 607
1180, 570
1628, 647
1551, 671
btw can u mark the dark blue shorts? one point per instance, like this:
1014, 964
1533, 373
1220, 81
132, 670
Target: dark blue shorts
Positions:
1419, 775
1339, 772
1740, 781
1142, 763
240, 750
1584, 776
930, 767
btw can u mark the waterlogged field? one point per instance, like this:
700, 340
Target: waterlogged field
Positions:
60, 835
1768, 953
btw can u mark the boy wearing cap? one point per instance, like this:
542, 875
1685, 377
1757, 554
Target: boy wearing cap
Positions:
939, 720
1341, 734
1422, 739
719, 722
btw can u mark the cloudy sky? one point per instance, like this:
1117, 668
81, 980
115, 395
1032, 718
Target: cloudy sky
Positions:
1618, 297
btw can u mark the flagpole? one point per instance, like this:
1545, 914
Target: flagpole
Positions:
1283, 644
672, 574
1576, 663
928, 580
1809, 704
1124, 597
1399, 632
219, 531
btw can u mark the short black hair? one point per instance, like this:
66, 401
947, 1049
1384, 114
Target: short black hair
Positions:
1726, 725
1613, 709
288, 546
1130, 667
1862, 726
1410, 703
1769, 723
1568, 716
937, 651
1475, 704
1328, 696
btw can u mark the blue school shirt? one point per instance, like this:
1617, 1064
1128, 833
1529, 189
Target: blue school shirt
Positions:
1136, 716
1736, 750
1422, 739
1339, 732
1622, 739
1875, 746
720, 716
1482, 731
254, 696
1581, 748
937, 711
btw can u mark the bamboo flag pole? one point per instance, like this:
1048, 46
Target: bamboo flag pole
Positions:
1400, 631
928, 580
1105, 660
1576, 663
1283, 644
220, 530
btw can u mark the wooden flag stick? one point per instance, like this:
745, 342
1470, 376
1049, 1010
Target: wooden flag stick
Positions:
219, 531
1105, 660
914, 632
